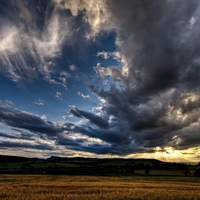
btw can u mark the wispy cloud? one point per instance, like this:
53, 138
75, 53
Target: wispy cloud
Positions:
64, 117
40, 102
72, 67
113, 72
58, 95
44, 117
28, 46
83, 96
10, 103
106, 55
103, 54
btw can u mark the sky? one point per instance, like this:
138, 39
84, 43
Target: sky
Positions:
100, 78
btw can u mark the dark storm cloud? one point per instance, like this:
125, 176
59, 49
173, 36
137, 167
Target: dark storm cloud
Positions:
15, 118
23, 134
111, 146
157, 102
7, 136
155, 37
100, 122
112, 135
15, 144
28, 128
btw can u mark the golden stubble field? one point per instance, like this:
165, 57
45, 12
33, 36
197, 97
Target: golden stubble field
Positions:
50, 187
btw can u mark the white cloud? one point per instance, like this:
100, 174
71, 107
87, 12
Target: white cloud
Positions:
98, 110
102, 100
50, 63
96, 15
40, 102
10, 103
109, 71
83, 96
58, 95
192, 21
64, 80
72, 67
103, 54
54, 82
43, 117
65, 74
115, 55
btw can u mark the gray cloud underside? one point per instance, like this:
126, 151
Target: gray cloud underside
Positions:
120, 138
94, 119
4, 135
22, 145
116, 143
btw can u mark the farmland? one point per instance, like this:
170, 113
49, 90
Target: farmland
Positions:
96, 179
51, 187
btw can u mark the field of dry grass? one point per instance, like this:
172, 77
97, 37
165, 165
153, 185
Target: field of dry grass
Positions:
45, 187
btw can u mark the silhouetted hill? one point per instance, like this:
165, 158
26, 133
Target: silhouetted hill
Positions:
16, 159
87, 166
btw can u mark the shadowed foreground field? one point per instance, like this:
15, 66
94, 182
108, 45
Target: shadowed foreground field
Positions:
51, 187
